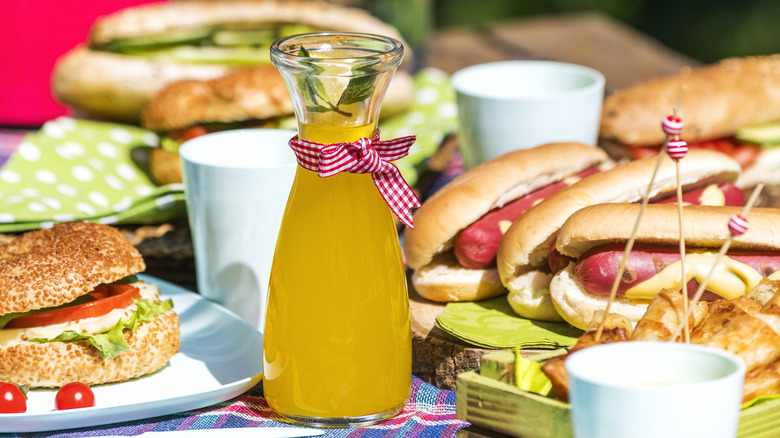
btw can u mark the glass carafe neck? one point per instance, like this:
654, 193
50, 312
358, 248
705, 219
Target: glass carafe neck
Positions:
336, 81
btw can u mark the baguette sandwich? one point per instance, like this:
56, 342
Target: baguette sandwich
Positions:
731, 106
527, 257
72, 309
133, 54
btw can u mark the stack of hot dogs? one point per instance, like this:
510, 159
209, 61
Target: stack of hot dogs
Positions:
497, 228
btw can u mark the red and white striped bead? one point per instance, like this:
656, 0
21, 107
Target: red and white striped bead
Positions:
738, 225
672, 125
676, 149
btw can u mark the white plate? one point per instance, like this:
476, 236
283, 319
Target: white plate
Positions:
220, 358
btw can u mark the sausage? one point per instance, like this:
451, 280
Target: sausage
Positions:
596, 269
476, 246
732, 196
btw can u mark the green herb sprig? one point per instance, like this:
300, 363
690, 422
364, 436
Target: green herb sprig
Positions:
316, 98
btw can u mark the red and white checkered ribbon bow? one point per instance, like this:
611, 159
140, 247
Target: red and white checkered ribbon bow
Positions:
364, 156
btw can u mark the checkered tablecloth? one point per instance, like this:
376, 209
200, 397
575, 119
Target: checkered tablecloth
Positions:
429, 413
9, 140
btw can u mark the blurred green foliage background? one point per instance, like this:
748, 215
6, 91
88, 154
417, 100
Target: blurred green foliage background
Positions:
706, 31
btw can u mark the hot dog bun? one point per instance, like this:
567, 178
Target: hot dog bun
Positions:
54, 266
136, 52
704, 228
427, 248
524, 250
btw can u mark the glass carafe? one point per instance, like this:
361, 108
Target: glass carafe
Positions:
337, 347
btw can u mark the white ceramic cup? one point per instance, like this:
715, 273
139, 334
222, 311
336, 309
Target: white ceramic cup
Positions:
509, 105
654, 389
236, 185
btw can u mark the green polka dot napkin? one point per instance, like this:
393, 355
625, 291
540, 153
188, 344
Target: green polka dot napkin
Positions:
82, 170
433, 116
74, 169
492, 324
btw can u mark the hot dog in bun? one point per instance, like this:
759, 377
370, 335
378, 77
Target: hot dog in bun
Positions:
730, 106
71, 309
453, 246
594, 238
707, 177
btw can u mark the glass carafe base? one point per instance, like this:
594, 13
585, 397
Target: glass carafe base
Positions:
340, 422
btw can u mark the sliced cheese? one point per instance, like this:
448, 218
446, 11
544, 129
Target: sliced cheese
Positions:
712, 195
94, 325
730, 279
504, 225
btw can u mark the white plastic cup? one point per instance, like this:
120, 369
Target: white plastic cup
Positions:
236, 186
654, 389
509, 105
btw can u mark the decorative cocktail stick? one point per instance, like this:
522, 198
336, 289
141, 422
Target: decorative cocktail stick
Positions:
676, 148
672, 124
738, 224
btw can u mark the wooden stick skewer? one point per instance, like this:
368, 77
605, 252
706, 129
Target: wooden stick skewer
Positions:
723, 249
686, 330
629, 246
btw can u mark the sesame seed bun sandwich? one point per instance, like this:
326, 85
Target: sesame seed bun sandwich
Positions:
527, 259
134, 53
72, 309
731, 106
594, 240
452, 248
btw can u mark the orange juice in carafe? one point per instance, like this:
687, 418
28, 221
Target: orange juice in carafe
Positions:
337, 340
347, 351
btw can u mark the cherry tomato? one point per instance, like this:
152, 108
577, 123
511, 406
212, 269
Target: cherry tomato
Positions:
74, 395
743, 153
108, 298
639, 152
12, 400
189, 133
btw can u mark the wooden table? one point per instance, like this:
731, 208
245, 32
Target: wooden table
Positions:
594, 40
623, 55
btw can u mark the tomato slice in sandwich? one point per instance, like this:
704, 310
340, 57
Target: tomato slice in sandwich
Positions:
107, 298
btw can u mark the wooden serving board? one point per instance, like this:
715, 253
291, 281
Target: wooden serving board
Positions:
437, 357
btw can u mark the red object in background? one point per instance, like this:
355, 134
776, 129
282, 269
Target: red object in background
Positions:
34, 33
